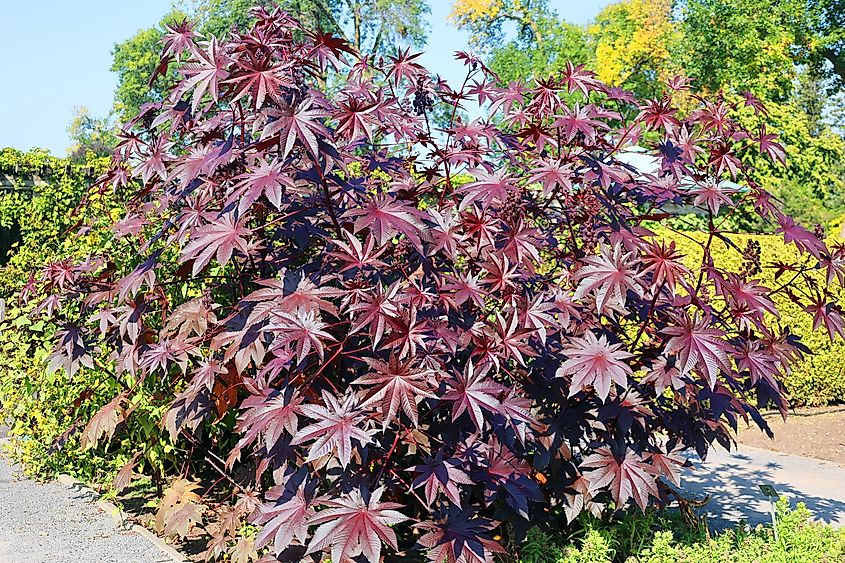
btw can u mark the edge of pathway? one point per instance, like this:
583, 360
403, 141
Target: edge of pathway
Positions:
121, 520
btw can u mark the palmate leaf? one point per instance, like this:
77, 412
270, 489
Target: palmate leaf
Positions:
190, 318
104, 422
698, 345
803, 239
608, 276
472, 392
626, 477
393, 385
356, 524
179, 509
286, 517
356, 255
595, 362
270, 414
219, 239
303, 330
355, 120
338, 423
441, 475
300, 123
124, 476
487, 189
460, 537
386, 217
265, 178
70, 352
258, 77
206, 71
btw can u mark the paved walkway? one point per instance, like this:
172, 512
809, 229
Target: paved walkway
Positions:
56, 523
732, 480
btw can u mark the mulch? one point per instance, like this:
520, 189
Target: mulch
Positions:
810, 432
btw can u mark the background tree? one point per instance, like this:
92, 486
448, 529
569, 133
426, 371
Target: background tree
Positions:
739, 45
374, 27
634, 43
135, 61
821, 25
90, 133
543, 42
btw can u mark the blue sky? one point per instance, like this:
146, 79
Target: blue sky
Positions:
56, 56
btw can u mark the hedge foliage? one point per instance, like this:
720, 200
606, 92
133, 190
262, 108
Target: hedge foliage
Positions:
40, 405
45, 215
820, 378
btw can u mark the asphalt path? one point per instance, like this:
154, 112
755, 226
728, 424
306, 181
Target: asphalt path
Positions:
732, 480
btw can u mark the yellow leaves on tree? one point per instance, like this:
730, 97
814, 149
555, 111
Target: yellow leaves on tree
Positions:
465, 11
483, 18
179, 509
633, 37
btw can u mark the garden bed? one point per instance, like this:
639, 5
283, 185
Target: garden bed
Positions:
810, 432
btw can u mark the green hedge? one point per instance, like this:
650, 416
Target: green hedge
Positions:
820, 378
41, 215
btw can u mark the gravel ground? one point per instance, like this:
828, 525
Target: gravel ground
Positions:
56, 523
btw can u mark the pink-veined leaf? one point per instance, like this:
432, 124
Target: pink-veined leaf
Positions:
626, 478
595, 362
337, 424
357, 524
698, 346
394, 385
219, 239
473, 392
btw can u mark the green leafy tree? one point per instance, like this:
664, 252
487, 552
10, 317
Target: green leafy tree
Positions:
523, 57
542, 44
812, 184
739, 45
820, 28
134, 61
90, 134
371, 26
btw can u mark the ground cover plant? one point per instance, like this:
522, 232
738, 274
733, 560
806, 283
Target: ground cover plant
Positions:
666, 538
390, 336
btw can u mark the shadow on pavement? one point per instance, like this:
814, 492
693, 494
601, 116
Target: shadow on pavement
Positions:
732, 480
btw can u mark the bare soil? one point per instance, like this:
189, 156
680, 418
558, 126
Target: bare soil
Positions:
810, 432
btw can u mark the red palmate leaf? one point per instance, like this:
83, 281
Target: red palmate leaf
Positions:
441, 475
473, 392
205, 71
461, 537
338, 423
299, 123
698, 345
357, 524
219, 239
626, 477
386, 217
393, 385
595, 362
608, 276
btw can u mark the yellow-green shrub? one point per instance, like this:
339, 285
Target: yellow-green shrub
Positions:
820, 378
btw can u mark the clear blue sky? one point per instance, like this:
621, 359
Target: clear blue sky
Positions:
56, 56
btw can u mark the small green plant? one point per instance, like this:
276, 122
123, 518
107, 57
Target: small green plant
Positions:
663, 538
